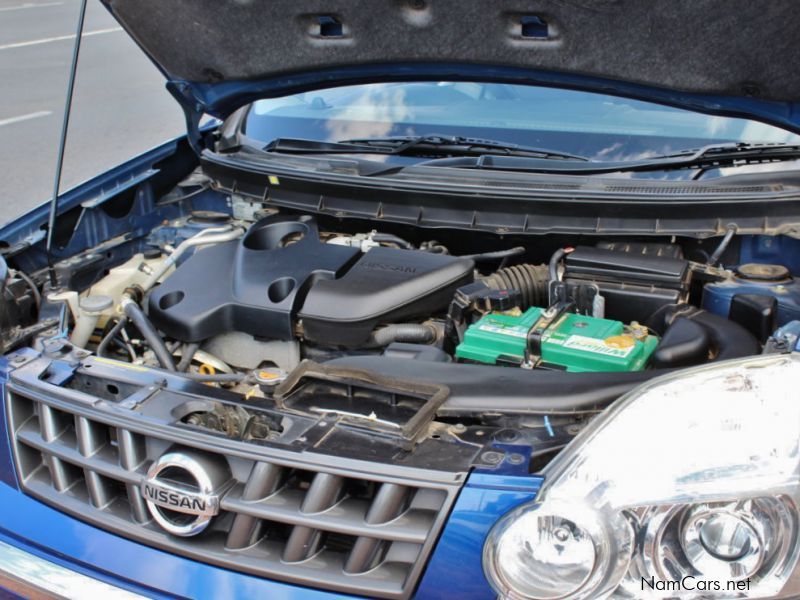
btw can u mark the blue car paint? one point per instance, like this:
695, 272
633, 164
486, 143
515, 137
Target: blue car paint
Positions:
456, 568
29, 227
778, 250
717, 297
222, 98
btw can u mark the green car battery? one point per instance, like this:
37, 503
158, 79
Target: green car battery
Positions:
573, 342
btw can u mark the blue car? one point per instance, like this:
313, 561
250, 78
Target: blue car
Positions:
434, 299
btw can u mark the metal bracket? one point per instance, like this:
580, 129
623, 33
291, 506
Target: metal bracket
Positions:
533, 347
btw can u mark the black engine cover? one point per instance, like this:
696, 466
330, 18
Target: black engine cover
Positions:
253, 285
281, 270
385, 285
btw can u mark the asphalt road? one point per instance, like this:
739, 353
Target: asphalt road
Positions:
120, 106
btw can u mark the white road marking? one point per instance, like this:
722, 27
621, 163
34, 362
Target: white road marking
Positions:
30, 5
58, 38
29, 116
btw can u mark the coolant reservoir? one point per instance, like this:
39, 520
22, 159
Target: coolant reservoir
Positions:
129, 273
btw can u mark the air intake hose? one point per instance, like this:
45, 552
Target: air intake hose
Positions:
414, 333
530, 280
726, 339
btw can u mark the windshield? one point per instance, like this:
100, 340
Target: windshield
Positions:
596, 126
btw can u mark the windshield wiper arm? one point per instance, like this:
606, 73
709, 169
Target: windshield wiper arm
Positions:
437, 144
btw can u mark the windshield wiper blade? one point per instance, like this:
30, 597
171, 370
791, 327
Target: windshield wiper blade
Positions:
715, 155
437, 144
733, 150
710, 156
461, 146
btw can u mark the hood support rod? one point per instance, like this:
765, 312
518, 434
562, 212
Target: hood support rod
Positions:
51, 220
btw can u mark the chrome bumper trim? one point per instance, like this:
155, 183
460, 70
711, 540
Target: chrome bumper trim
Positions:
31, 576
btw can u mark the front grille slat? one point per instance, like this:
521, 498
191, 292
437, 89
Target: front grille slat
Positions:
131, 457
58, 472
389, 503
131, 450
98, 491
347, 517
138, 506
91, 438
64, 452
51, 425
343, 530
264, 480
323, 493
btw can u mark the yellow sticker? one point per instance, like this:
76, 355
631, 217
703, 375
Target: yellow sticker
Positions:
273, 179
619, 341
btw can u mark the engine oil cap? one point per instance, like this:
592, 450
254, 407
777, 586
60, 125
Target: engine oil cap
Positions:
759, 272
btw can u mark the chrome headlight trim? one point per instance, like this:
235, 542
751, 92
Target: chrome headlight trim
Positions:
722, 439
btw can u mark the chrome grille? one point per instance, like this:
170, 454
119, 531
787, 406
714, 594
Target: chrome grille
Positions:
337, 529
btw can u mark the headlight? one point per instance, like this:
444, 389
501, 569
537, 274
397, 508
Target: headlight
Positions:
687, 486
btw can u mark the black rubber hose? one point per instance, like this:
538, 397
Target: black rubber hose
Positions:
723, 245
388, 238
553, 265
529, 280
485, 256
478, 389
412, 333
213, 377
728, 339
146, 328
187, 355
109, 337
216, 377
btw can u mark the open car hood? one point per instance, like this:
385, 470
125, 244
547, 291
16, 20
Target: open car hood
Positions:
730, 57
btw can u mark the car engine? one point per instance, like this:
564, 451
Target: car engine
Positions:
231, 295
509, 331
